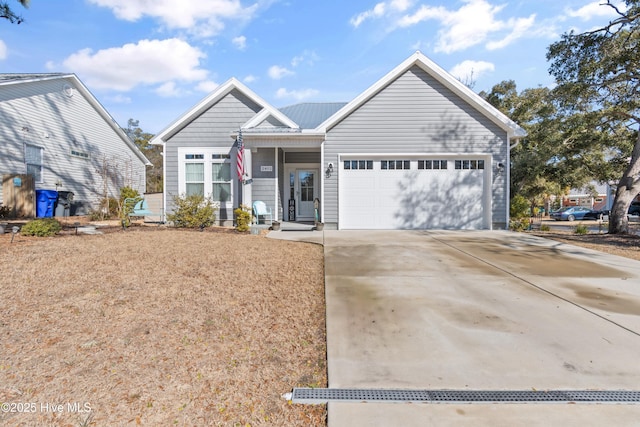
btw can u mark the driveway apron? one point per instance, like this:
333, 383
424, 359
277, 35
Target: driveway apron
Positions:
479, 310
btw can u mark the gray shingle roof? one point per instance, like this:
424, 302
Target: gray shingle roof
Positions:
27, 76
309, 115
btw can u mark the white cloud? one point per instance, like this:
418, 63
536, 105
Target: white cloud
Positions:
119, 99
471, 69
520, 27
474, 23
168, 90
380, 10
207, 86
147, 62
298, 95
250, 79
3, 50
204, 18
308, 57
276, 72
595, 9
240, 42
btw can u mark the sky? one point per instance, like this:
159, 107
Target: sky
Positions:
152, 60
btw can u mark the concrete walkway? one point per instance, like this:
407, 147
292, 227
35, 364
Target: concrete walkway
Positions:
479, 310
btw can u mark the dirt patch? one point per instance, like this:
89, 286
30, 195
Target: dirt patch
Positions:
154, 326
625, 245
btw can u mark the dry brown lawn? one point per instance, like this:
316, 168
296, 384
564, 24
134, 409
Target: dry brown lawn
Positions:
160, 327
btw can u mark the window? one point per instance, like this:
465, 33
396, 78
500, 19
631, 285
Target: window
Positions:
221, 181
432, 164
395, 164
358, 164
469, 164
80, 154
33, 159
207, 172
194, 178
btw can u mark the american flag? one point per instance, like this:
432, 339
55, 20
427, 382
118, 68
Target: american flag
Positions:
240, 159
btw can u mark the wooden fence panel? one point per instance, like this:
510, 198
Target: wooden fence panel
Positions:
18, 192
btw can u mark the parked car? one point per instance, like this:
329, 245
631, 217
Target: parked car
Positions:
634, 209
571, 213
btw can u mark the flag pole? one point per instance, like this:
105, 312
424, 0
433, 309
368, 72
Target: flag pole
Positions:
240, 165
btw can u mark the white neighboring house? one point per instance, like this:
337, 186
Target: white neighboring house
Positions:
53, 128
416, 150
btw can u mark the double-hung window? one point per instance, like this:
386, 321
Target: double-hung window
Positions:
206, 172
33, 159
194, 174
221, 178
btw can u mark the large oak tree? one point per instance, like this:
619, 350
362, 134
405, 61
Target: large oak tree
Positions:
7, 13
598, 76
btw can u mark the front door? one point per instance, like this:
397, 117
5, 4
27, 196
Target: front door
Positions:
306, 192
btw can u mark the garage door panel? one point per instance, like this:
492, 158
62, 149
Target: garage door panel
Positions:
412, 199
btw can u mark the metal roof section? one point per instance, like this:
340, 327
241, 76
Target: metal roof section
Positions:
513, 130
310, 115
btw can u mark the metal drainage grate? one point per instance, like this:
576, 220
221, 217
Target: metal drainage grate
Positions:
326, 395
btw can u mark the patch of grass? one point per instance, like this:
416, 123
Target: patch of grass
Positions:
581, 229
175, 333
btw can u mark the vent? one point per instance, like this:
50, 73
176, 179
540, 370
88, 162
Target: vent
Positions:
326, 395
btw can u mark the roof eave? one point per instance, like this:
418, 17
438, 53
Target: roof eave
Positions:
443, 77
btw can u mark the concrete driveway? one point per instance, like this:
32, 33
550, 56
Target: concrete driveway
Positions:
479, 311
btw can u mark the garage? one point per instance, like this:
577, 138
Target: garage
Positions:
414, 192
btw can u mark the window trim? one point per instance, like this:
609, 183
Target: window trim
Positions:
40, 165
208, 157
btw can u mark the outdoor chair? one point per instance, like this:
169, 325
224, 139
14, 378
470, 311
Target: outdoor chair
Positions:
260, 210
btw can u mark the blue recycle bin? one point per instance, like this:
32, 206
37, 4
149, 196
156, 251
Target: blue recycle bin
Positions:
45, 203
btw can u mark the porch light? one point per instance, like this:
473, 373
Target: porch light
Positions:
329, 170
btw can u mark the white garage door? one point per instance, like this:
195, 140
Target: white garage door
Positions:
425, 193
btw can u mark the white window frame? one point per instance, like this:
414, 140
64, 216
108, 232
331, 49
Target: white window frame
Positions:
223, 156
37, 178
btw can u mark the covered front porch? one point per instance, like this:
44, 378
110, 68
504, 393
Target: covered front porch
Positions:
287, 176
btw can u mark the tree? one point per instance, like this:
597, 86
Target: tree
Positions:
534, 160
598, 76
7, 13
152, 152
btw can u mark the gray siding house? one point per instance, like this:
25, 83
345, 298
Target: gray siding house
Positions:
53, 128
417, 150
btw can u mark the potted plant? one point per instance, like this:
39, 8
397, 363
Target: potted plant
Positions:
319, 226
275, 225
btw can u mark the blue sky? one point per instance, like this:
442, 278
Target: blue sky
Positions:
153, 60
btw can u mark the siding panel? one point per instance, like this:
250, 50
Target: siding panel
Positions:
212, 128
416, 114
39, 113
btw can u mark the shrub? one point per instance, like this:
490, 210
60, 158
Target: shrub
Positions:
581, 229
243, 218
5, 211
124, 209
193, 211
520, 224
44, 227
519, 207
545, 227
